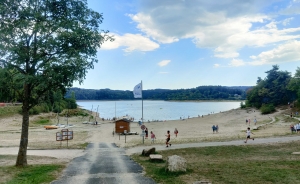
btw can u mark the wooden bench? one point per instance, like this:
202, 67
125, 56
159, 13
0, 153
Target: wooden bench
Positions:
155, 157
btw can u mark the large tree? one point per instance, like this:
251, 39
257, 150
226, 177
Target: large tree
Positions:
294, 86
271, 90
49, 44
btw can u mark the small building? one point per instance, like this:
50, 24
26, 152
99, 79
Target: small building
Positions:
122, 126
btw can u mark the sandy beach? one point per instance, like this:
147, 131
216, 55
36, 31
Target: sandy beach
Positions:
232, 126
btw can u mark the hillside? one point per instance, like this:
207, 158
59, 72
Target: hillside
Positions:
198, 93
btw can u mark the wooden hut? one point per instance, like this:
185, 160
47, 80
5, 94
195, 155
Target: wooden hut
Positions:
122, 126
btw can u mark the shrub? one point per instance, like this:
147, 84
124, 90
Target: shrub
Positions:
267, 108
243, 106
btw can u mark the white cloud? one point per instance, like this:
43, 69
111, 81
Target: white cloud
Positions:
216, 65
287, 21
292, 9
224, 27
131, 42
236, 63
288, 52
164, 63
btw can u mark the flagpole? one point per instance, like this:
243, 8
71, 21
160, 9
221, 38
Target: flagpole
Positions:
142, 103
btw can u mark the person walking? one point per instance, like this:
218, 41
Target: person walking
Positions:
176, 132
168, 139
248, 132
146, 132
152, 137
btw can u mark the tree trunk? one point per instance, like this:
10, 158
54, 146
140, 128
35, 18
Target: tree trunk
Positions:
22, 154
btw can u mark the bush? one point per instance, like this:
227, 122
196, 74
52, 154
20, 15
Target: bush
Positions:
74, 112
243, 106
34, 111
267, 108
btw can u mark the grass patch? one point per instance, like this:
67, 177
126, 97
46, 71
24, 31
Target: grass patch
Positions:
272, 163
34, 174
9, 110
42, 121
83, 146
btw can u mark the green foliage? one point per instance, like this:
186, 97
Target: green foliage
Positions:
35, 174
243, 106
74, 112
42, 121
271, 90
198, 93
267, 108
71, 103
9, 110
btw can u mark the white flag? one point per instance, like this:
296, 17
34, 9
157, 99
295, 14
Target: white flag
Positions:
137, 91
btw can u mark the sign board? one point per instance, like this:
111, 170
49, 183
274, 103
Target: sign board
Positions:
143, 127
65, 134
143, 133
58, 136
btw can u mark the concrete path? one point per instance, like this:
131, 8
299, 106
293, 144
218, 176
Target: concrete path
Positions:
139, 149
103, 163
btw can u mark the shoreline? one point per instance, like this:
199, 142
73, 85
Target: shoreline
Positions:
160, 111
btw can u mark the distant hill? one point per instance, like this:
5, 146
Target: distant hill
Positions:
198, 93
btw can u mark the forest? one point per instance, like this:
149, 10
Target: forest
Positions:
198, 93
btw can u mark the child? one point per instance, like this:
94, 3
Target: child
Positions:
152, 137
248, 134
176, 132
168, 139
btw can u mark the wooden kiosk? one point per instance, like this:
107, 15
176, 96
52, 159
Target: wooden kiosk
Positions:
122, 126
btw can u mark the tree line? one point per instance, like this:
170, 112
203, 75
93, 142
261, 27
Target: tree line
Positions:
277, 88
198, 93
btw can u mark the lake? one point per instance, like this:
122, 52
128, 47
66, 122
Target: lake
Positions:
156, 110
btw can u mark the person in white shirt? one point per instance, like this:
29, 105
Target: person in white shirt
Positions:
248, 132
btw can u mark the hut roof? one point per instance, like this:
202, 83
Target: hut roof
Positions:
124, 119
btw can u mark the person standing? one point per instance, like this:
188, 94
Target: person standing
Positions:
168, 139
176, 132
255, 121
213, 128
152, 137
217, 128
248, 132
146, 132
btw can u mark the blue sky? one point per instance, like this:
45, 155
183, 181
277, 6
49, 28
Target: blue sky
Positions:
174, 44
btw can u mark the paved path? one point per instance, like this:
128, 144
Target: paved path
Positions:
103, 163
139, 149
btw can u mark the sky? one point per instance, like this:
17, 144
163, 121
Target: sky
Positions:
182, 44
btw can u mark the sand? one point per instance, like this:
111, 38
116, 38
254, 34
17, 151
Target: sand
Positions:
232, 126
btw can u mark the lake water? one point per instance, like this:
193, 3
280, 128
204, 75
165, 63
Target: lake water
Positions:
156, 110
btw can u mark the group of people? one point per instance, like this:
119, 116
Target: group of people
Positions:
153, 137
248, 121
295, 128
215, 128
